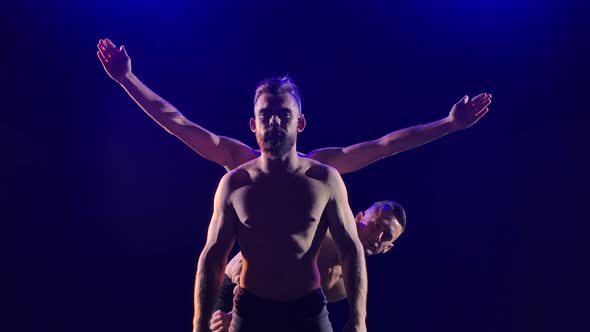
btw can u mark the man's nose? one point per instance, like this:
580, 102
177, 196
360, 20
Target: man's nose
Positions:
274, 120
378, 237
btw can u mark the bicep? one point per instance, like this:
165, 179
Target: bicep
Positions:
222, 228
339, 215
225, 151
329, 156
239, 153
349, 159
221, 234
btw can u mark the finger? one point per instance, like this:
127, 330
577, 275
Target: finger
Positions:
486, 103
478, 97
217, 326
110, 44
102, 59
102, 44
464, 100
104, 51
479, 106
112, 47
107, 50
482, 113
122, 49
214, 320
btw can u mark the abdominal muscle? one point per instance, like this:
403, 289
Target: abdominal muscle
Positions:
287, 279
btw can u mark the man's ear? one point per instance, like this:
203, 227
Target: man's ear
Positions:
253, 125
359, 217
301, 123
389, 246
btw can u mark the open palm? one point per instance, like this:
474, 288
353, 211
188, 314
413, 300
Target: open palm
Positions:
467, 112
115, 60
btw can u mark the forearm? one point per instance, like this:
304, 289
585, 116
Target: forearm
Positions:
208, 283
151, 103
409, 138
357, 156
355, 280
213, 147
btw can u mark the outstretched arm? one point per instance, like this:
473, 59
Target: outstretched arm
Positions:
464, 114
222, 150
213, 259
354, 270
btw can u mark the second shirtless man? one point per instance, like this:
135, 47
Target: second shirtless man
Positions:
279, 207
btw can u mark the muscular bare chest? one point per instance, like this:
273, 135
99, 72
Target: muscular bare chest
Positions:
287, 205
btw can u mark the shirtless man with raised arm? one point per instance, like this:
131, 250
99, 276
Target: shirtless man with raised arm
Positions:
279, 207
231, 153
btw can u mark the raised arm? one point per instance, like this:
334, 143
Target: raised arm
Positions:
464, 114
354, 270
222, 150
213, 258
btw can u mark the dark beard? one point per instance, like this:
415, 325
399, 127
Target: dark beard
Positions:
275, 143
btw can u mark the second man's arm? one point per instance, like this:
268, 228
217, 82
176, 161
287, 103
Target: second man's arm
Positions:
348, 159
225, 151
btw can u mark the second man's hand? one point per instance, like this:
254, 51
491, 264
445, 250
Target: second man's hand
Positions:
115, 60
220, 321
466, 112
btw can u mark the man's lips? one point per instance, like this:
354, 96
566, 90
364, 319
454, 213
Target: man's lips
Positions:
274, 132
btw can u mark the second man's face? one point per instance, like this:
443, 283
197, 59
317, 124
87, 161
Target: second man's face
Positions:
276, 123
378, 233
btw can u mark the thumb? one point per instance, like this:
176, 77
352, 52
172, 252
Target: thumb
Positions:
122, 49
465, 99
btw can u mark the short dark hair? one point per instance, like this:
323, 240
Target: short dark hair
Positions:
391, 209
278, 86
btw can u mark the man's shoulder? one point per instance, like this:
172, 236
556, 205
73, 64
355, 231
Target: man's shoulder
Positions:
318, 171
239, 176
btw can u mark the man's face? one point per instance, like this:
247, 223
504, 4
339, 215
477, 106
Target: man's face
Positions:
277, 122
377, 232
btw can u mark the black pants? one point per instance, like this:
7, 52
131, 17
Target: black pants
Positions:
255, 314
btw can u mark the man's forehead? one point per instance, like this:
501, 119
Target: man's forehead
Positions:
382, 218
283, 100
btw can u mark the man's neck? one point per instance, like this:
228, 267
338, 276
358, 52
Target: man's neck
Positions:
287, 162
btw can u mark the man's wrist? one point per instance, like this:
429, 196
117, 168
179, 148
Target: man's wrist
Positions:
449, 125
126, 79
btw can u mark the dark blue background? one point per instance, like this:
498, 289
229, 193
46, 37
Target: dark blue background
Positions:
105, 214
